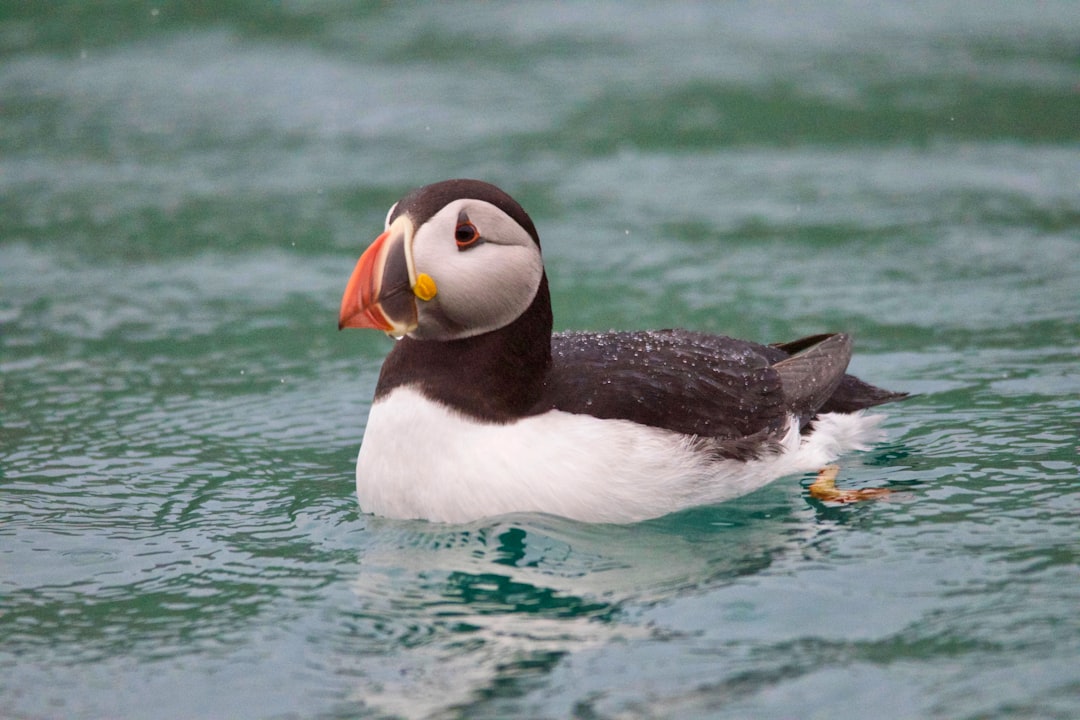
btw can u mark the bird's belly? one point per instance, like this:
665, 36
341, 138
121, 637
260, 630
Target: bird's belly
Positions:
420, 459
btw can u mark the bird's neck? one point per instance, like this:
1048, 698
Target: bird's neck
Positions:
496, 377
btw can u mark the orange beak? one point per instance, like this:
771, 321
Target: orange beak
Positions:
379, 293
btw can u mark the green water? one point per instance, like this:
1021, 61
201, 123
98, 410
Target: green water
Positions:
184, 190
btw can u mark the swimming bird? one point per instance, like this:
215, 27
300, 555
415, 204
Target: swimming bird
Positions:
480, 410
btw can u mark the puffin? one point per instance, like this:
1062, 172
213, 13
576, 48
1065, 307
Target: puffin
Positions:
480, 410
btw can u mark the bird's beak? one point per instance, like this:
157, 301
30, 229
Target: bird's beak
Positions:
383, 288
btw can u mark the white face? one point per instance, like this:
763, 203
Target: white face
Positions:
484, 283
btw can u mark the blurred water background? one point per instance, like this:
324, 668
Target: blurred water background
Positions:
184, 188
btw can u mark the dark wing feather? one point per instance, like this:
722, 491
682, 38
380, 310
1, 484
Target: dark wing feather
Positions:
852, 393
718, 388
692, 383
811, 376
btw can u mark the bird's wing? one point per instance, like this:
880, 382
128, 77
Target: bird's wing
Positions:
697, 384
851, 393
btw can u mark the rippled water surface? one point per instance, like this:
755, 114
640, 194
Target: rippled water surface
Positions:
184, 191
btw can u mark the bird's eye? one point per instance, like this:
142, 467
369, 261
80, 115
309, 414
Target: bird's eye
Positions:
466, 235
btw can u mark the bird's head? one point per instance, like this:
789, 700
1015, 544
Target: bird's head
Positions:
456, 259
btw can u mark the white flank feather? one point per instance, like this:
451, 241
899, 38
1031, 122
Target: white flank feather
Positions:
420, 459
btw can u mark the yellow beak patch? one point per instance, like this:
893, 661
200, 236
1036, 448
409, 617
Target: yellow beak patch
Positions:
425, 287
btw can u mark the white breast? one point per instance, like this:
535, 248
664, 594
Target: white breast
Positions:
420, 459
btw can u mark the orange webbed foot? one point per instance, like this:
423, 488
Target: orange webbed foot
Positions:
824, 488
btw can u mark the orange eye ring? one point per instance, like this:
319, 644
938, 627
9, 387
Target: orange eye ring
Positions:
466, 235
